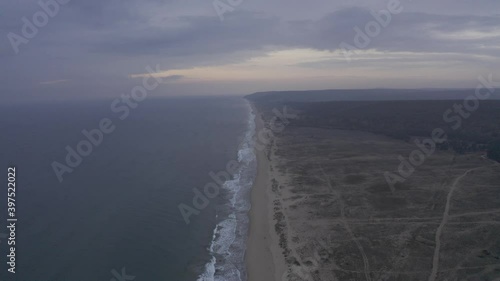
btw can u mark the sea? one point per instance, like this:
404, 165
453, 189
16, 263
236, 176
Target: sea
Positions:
116, 215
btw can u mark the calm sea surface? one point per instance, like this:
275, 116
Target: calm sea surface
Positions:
117, 211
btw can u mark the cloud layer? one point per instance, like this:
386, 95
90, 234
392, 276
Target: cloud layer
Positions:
99, 44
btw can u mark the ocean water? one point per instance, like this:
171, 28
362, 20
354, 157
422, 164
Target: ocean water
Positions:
227, 249
118, 212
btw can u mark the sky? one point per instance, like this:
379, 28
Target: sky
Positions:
100, 48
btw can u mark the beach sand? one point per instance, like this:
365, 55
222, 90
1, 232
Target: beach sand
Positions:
263, 257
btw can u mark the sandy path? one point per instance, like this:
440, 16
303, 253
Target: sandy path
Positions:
439, 232
343, 220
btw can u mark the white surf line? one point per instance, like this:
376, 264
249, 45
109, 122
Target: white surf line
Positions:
437, 249
348, 228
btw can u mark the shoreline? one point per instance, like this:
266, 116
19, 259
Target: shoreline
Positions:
262, 251
233, 225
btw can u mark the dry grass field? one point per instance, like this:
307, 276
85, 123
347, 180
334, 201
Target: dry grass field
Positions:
337, 218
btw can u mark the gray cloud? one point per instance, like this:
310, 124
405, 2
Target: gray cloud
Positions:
101, 42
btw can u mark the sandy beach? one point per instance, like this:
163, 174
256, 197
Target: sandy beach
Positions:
263, 255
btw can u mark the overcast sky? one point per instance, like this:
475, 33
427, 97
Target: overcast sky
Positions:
91, 48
